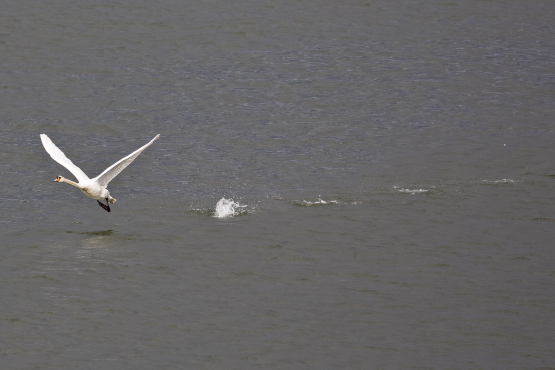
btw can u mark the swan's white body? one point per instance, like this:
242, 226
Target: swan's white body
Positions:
93, 188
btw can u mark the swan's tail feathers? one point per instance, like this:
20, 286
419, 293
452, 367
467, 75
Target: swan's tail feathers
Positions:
112, 200
105, 206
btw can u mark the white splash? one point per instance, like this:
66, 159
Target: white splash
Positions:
228, 208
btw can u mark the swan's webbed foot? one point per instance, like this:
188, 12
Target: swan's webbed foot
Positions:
105, 206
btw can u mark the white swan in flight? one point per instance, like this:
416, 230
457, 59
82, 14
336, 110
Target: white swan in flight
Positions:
93, 188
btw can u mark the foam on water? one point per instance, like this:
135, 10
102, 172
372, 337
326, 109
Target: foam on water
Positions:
228, 208
412, 191
502, 181
319, 201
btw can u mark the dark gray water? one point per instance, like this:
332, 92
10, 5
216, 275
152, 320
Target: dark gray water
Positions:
391, 166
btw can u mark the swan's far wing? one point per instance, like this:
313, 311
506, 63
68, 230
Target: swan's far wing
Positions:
61, 158
105, 177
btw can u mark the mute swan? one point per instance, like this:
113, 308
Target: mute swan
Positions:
93, 188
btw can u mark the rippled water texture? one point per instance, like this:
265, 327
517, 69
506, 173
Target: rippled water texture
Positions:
337, 185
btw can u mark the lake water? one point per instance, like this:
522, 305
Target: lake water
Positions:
337, 185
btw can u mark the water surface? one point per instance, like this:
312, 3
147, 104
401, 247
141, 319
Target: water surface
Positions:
391, 165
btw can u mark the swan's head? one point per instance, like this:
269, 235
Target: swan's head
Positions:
57, 179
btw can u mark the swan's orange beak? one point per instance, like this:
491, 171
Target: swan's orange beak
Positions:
57, 179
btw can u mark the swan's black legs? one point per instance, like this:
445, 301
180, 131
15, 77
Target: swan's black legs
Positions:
105, 206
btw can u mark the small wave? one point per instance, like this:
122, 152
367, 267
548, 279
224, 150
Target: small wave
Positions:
412, 191
502, 181
228, 208
308, 203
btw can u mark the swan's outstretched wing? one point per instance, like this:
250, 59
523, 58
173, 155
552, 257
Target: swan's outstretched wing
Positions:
105, 177
61, 158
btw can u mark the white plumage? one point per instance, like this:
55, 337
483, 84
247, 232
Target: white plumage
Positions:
93, 188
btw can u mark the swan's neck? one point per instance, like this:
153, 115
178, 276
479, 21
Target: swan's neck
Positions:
63, 179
